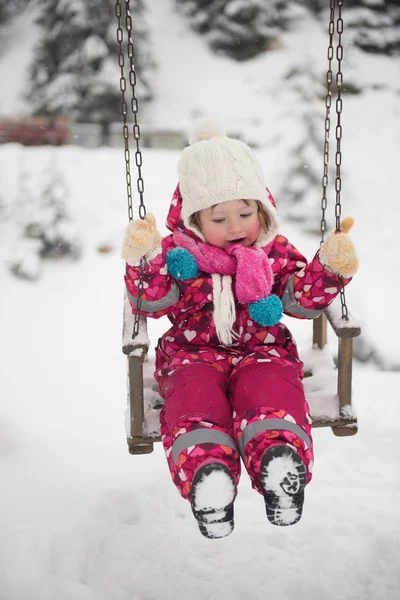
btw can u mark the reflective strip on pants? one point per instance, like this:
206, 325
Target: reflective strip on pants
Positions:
257, 427
201, 436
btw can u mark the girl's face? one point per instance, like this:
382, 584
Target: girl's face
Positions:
231, 222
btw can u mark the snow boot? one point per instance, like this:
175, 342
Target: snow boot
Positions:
212, 495
283, 479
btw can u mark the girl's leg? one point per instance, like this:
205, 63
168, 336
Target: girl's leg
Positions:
270, 410
197, 434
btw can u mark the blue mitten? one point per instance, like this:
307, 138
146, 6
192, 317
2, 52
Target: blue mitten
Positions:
181, 264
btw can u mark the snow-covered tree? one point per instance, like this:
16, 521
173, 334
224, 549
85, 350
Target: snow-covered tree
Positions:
374, 25
302, 189
4, 16
44, 228
315, 6
51, 224
10, 9
75, 70
240, 29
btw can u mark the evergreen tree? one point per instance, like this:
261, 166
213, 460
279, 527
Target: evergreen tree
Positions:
240, 29
8, 9
23, 258
374, 25
75, 69
51, 223
4, 15
43, 227
315, 6
302, 189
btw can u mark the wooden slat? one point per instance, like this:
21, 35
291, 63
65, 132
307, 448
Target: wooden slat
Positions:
339, 422
342, 327
141, 445
345, 364
136, 396
345, 431
320, 333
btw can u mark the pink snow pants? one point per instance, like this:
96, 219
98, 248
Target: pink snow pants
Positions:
209, 417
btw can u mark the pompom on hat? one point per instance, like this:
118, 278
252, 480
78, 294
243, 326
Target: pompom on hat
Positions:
215, 168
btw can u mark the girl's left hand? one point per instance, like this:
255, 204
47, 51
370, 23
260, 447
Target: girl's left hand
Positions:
337, 251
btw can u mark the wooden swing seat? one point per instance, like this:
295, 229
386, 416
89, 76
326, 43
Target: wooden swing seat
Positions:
327, 387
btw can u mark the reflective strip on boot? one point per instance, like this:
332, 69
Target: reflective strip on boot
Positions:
257, 427
202, 435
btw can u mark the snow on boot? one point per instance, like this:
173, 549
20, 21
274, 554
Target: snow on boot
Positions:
283, 478
212, 495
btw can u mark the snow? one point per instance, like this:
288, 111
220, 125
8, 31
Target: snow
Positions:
335, 314
212, 497
282, 479
141, 339
214, 490
80, 518
272, 476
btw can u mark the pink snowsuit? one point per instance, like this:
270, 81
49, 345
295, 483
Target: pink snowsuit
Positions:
227, 402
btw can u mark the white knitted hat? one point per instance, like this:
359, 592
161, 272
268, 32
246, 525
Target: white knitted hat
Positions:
215, 168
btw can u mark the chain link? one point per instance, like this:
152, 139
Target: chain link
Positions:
135, 108
135, 130
328, 104
339, 106
124, 106
338, 154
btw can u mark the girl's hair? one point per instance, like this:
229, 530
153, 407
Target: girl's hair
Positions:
194, 219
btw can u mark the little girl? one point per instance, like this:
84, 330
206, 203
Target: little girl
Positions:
228, 369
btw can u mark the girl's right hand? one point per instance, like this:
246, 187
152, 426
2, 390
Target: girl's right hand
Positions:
141, 237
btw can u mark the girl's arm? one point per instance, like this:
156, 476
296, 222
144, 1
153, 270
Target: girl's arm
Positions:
160, 291
306, 289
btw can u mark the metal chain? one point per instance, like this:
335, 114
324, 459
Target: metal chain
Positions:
328, 104
338, 154
136, 133
135, 108
124, 106
339, 106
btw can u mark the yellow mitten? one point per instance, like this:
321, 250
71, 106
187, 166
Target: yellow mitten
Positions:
337, 251
141, 237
